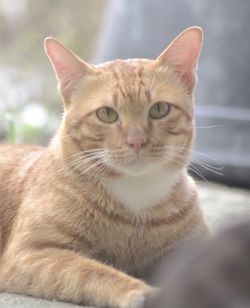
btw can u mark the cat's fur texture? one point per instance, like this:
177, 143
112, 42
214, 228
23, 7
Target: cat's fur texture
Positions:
103, 201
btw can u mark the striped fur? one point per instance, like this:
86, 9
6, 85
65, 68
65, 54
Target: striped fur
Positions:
82, 218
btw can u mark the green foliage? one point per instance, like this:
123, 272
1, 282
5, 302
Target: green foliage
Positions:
11, 126
30, 133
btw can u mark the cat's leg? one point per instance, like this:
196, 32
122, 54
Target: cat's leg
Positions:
64, 275
1, 239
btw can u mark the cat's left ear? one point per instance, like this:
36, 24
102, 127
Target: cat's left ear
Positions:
183, 54
68, 67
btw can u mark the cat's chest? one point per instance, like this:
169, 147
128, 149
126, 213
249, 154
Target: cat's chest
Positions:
118, 239
130, 248
140, 192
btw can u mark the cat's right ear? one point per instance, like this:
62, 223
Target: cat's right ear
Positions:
68, 67
183, 54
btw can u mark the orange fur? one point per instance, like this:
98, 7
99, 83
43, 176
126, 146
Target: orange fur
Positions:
83, 217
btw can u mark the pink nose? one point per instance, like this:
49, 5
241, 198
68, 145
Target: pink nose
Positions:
136, 137
136, 142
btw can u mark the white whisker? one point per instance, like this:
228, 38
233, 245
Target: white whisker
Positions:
210, 126
211, 169
85, 159
198, 173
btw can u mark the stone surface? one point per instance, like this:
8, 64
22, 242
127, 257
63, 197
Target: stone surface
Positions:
19, 301
221, 205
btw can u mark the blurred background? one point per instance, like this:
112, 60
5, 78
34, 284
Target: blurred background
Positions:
100, 30
28, 89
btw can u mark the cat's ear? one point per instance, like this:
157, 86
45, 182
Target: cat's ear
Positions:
68, 67
183, 54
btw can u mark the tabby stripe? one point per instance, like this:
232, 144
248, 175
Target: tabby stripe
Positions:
118, 86
77, 143
70, 232
178, 132
185, 113
47, 244
172, 219
148, 95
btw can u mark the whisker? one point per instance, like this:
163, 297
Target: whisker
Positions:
104, 168
205, 155
87, 152
210, 126
177, 159
198, 173
207, 168
86, 159
205, 165
78, 162
208, 165
92, 166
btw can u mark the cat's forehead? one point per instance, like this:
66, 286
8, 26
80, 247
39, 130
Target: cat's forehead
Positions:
130, 83
142, 77
128, 68
128, 80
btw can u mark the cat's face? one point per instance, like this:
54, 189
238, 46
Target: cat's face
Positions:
134, 111
128, 117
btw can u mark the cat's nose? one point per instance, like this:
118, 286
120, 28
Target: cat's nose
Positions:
136, 143
136, 138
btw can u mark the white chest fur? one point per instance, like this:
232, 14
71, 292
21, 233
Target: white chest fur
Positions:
140, 192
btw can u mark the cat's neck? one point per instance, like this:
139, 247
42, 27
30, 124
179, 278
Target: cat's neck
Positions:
141, 192
134, 192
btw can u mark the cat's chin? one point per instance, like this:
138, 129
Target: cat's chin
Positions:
137, 168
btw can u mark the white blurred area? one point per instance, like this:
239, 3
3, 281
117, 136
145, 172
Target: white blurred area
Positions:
13, 8
34, 115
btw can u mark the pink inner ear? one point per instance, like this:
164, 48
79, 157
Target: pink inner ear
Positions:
183, 54
64, 62
67, 66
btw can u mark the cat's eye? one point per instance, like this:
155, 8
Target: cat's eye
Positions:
107, 115
159, 110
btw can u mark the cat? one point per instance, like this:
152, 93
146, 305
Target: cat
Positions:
84, 219
213, 274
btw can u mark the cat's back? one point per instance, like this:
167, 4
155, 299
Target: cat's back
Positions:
16, 162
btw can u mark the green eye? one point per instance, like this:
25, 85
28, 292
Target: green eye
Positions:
159, 110
107, 115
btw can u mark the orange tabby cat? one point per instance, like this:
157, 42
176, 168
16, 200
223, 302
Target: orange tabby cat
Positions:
110, 194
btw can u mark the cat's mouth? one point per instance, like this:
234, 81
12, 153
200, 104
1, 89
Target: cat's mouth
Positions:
136, 166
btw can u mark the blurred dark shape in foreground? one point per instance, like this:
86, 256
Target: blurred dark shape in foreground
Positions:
212, 274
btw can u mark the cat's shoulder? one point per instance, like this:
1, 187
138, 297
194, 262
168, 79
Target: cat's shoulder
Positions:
20, 148
14, 152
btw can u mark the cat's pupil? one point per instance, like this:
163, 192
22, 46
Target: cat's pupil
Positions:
107, 114
159, 110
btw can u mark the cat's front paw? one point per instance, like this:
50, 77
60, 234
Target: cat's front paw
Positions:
136, 299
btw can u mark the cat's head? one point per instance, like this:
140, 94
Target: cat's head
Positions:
128, 116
